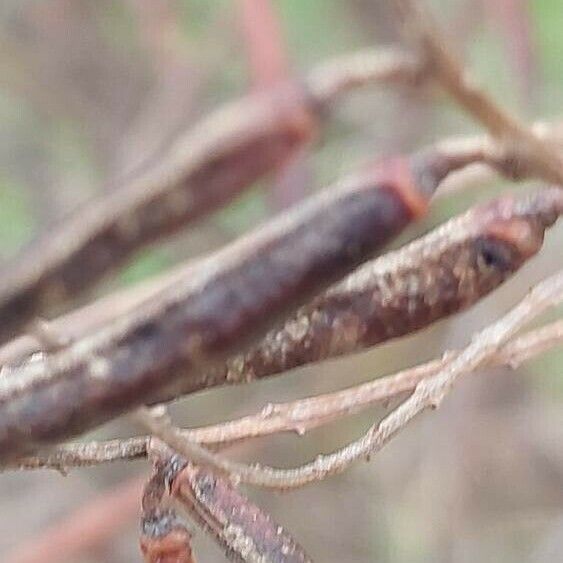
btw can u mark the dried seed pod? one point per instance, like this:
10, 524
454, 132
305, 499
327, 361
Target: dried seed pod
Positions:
226, 153
238, 295
401, 292
165, 539
243, 529
203, 171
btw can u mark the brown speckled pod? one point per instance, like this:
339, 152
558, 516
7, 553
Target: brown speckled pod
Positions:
215, 162
243, 529
239, 293
404, 291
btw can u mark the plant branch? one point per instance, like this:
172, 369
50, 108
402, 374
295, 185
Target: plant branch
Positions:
518, 144
296, 416
429, 393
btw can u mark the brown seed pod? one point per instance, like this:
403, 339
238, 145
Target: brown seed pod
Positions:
164, 536
243, 529
165, 539
239, 294
403, 291
226, 153
204, 170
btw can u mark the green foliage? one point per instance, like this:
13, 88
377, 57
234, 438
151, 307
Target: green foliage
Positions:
147, 264
16, 219
244, 213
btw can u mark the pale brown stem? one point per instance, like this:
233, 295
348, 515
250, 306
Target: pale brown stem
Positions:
518, 144
296, 416
429, 393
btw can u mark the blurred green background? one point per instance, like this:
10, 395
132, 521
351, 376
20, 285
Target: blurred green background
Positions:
90, 91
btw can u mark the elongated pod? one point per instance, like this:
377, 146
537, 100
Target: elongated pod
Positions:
226, 153
239, 293
204, 170
243, 529
164, 536
403, 291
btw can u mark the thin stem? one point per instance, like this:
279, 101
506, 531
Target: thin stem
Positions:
296, 416
518, 144
429, 393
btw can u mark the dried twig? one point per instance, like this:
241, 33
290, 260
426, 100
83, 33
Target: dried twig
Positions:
304, 415
202, 172
296, 416
165, 537
519, 145
429, 393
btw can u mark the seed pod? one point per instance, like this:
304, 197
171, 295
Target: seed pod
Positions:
243, 529
226, 153
240, 293
202, 172
164, 537
401, 292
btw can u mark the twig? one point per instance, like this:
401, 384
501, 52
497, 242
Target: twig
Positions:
204, 170
304, 415
160, 426
84, 454
429, 393
517, 143
332, 80
239, 293
297, 416
264, 43
165, 537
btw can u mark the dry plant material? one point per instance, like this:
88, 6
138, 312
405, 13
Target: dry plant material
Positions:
437, 275
206, 169
519, 145
240, 527
477, 150
178, 341
297, 416
165, 537
429, 393
232, 300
